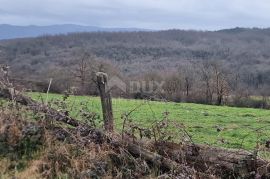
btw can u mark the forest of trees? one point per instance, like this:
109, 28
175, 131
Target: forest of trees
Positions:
220, 67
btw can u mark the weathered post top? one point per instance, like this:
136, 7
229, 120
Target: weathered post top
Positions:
102, 76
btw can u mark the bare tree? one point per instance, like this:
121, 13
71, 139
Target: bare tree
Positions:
172, 87
221, 84
187, 74
85, 71
82, 69
206, 77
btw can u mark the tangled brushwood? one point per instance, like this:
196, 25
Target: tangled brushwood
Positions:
38, 141
37, 149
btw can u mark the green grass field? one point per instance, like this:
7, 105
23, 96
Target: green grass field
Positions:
201, 121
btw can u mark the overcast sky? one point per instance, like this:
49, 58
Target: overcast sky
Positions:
150, 14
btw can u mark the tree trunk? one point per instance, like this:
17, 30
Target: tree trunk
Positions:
219, 100
222, 162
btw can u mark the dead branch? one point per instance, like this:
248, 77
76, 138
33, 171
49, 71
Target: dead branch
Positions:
203, 158
219, 161
12, 94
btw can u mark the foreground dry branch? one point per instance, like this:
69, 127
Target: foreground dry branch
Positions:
216, 160
181, 159
11, 94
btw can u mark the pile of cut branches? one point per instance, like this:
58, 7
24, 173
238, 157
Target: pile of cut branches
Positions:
129, 158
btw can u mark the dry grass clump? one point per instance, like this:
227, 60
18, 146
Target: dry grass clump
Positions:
91, 160
18, 136
20, 140
65, 159
31, 149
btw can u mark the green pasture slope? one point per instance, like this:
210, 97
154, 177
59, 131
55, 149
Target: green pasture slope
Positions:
215, 125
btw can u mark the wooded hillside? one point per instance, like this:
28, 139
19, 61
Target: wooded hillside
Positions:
242, 54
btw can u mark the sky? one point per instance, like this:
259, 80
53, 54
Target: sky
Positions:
148, 14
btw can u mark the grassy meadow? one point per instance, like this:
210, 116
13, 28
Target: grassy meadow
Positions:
207, 124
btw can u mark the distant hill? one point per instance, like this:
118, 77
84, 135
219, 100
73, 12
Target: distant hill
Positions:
11, 31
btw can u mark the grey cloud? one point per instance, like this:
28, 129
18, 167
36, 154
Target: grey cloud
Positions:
151, 14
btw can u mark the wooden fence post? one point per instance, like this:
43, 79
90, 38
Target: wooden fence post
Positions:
106, 101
